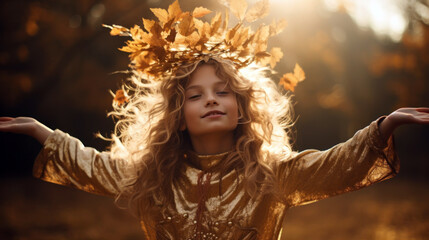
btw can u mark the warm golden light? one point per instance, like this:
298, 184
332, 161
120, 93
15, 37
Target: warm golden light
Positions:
384, 17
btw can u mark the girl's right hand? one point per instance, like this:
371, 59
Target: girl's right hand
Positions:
25, 125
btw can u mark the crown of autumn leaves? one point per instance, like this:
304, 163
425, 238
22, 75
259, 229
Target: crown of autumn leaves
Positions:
179, 38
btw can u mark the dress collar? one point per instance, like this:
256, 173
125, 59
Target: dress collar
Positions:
205, 162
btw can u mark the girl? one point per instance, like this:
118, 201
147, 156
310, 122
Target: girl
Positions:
204, 156
204, 153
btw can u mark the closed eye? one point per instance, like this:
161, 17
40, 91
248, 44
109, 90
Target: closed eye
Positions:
194, 96
222, 93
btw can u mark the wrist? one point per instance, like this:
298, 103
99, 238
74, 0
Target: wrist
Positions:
386, 127
41, 132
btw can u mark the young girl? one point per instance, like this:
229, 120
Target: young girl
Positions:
205, 154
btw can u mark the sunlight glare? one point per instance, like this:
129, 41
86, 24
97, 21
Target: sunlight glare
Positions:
384, 17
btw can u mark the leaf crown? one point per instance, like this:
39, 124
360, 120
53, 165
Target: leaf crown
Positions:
180, 37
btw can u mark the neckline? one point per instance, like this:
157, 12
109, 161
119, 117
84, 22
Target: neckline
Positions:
205, 161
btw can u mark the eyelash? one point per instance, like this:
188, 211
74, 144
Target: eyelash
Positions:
198, 95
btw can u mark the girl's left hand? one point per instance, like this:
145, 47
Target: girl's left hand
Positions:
403, 116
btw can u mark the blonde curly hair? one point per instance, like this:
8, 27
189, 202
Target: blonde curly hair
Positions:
148, 133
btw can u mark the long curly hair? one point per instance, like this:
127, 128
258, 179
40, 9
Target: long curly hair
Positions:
148, 133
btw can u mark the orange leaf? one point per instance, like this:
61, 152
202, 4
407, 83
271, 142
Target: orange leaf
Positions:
276, 55
225, 21
161, 14
215, 24
288, 81
172, 36
200, 12
186, 26
148, 24
120, 97
258, 11
118, 30
232, 32
299, 73
277, 27
238, 8
174, 11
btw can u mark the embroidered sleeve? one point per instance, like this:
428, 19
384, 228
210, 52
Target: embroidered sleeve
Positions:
363, 160
65, 161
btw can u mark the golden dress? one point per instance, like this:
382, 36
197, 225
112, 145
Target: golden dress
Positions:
229, 212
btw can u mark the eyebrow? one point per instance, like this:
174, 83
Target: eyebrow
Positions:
199, 86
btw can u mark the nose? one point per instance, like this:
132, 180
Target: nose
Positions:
211, 100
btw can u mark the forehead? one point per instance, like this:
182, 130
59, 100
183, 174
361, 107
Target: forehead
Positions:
205, 75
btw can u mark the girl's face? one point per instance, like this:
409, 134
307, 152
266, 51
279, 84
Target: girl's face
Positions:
210, 106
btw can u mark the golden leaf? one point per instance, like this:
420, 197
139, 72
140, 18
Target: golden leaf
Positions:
240, 37
136, 32
215, 24
161, 14
156, 38
277, 27
290, 80
200, 12
225, 21
299, 73
193, 38
174, 11
168, 24
148, 24
172, 36
186, 26
238, 8
232, 32
118, 30
258, 10
199, 25
276, 54
159, 53
120, 97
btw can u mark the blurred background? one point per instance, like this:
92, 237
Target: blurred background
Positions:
363, 59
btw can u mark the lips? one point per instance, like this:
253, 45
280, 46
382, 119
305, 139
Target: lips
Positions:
213, 113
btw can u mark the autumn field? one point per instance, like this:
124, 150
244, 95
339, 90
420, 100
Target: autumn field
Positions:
394, 210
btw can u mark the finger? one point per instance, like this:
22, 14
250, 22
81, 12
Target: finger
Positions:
423, 109
4, 119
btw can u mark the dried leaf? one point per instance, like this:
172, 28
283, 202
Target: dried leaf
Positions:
215, 24
148, 24
120, 97
299, 73
193, 38
172, 36
161, 14
240, 37
258, 10
232, 32
117, 30
186, 26
277, 27
174, 11
290, 80
276, 54
225, 21
199, 24
156, 38
200, 12
238, 8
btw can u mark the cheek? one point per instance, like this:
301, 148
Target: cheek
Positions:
189, 112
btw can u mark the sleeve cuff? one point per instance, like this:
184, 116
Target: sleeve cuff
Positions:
46, 153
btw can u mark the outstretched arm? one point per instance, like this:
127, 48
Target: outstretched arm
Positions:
27, 126
403, 116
